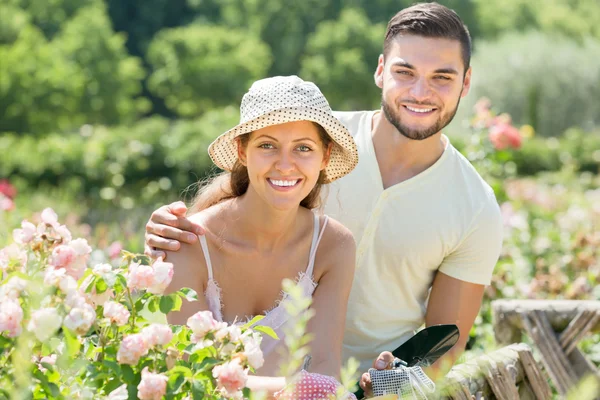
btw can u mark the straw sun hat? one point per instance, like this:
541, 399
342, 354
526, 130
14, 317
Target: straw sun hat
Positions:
282, 99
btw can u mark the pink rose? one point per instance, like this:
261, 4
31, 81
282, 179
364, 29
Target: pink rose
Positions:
231, 378
252, 351
158, 334
503, 135
80, 319
81, 247
51, 359
49, 217
119, 393
11, 316
12, 289
64, 233
44, 323
152, 386
201, 323
162, 275
132, 348
7, 189
140, 276
12, 256
116, 313
25, 234
114, 250
6, 204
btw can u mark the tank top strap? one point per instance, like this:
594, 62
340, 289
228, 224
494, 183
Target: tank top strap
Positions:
315, 243
204, 245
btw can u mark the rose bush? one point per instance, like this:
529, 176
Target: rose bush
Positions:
71, 331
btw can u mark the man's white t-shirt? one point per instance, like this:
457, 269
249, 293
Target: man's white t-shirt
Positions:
444, 219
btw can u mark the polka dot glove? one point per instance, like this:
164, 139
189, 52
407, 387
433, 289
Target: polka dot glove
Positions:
310, 386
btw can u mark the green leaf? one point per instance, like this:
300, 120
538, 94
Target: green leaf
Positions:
139, 305
181, 370
198, 390
188, 293
266, 330
101, 286
175, 383
170, 303
152, 304
166, 304
112, 366
72, 343
252, 321
90, 286
128, 374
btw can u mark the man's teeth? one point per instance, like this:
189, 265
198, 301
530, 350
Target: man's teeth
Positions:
420, 110
283, 183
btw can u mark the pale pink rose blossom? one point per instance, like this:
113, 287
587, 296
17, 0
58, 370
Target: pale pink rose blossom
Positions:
44, 323
75, 300
116, 312
12, 255
119, 393
158, 334
140, 276
152, 386
64, 233
252, 351
231, 333
25, 234
80, 319
12, 289
7, 189
51, 359
49, 217
11, 317
133, 347
162, 276
231, 378
201, 323
63, 256
6, 204
114, 250
81, 247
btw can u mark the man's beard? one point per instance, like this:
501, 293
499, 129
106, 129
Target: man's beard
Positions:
416, 134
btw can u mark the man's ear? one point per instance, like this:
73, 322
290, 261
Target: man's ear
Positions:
466, 83
379, 72
241, 150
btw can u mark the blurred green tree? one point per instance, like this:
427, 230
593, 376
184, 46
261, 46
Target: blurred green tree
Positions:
50, 15
283, 25
198, 67
574, 18
341, 57
547, 81
83, 75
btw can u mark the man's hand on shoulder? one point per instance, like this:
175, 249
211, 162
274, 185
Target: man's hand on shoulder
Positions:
167, 228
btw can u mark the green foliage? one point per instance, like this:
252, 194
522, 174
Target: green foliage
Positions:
50, 15
198, 67
341, 57
545, 81
118, 166
573, 18
87, 76
283, 25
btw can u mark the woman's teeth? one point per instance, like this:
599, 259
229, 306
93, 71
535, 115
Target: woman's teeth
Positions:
283, 183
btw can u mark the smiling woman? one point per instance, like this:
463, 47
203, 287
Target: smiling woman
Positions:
261, 227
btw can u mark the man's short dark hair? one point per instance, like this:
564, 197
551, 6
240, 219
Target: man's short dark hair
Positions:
431, 20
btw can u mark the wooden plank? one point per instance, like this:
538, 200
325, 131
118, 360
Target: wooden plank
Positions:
536, 380
508, 325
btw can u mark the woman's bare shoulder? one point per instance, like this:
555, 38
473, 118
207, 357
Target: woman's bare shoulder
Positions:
337, 246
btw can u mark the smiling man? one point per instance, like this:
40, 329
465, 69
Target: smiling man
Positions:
427, 227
